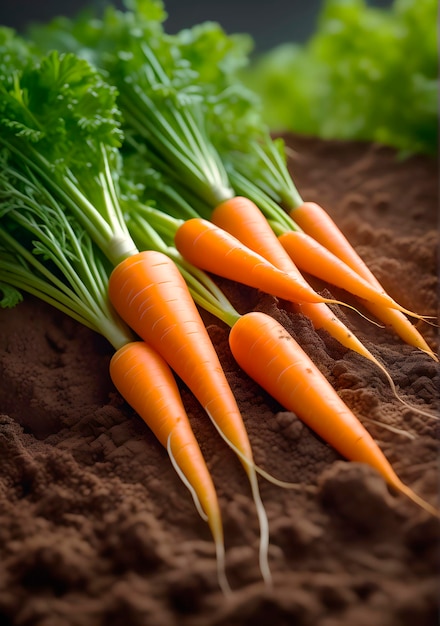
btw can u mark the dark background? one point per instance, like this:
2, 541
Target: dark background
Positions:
269, 22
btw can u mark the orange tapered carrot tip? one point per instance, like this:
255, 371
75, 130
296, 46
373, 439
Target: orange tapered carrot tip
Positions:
402, 327
317, 223
313, 258
146, 382
150, 294
271, 357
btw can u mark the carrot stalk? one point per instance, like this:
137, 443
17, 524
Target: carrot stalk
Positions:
292, 378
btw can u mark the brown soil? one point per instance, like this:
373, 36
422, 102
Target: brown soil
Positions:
97, 529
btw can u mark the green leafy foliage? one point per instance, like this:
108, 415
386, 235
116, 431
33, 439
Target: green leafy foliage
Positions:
59, 119
10, 296
162, 82
212, 53
367, 74
14, 53
58, 104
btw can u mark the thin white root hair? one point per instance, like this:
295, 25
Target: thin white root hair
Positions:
393, 429
408, 405
185, 481
250, 463
218, 543
261, 512
264, 529
221, 568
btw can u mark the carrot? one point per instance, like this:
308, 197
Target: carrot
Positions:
149, 293
242, 218
317, 223
146, 382
313, 258
269, 355
211, 248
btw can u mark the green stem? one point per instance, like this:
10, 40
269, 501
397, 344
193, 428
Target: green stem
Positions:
66, 301
278, 175
109, 232
203, 172
280, 220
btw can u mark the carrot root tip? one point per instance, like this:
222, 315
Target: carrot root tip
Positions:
423, 504
261, 513
185, 481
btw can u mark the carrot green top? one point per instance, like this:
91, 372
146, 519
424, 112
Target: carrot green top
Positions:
61, 135
59, 120
160, 93
182, 102
45, 252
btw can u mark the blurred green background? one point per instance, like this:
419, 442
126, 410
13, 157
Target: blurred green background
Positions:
270, 22
335, 69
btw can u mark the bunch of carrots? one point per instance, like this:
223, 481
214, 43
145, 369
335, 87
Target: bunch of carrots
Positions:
125, 185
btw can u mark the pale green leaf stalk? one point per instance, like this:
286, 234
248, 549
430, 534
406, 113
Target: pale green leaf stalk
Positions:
44, 252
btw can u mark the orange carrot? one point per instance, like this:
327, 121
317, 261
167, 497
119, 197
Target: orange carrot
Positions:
211, 248
146, 382
149, 293
313, 258
269, 355
317, 223
242, 218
